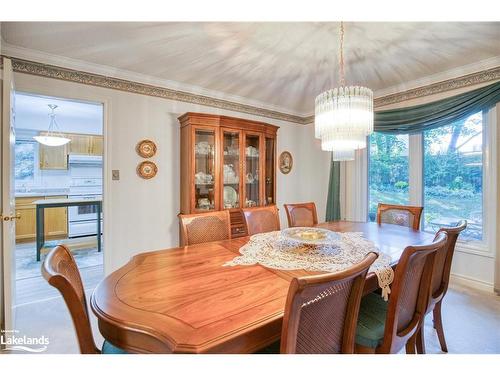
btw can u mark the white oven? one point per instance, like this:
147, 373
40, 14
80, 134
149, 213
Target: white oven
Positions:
83, 213
86, 183
82, 220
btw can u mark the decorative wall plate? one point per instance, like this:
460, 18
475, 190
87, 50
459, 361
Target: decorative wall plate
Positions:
146, 148
285, 162
147, 169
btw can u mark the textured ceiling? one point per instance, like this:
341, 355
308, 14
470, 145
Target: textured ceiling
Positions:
280, 64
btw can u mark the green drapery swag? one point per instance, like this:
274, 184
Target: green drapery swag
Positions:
438, 113
333, 200
416, 119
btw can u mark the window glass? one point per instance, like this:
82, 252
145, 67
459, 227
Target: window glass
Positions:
453, 176
24, 162
388, 171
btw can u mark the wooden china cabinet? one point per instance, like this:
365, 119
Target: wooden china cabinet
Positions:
227, 163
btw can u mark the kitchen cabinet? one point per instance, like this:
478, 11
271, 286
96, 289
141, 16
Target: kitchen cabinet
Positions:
84, 144
53, 157
26, 225
226, 163
56, 219
80, 144
97, 145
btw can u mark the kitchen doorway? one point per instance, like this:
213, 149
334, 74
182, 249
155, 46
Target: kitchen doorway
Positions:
58, 194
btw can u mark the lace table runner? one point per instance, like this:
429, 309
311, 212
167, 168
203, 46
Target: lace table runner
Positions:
273, 250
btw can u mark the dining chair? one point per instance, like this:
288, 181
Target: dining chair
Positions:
60, 270
205, 227
301, 214
406, 216
387, 327
439, 284
321, 311
261, 219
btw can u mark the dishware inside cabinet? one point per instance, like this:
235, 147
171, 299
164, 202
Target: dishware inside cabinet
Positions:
270, 172
204, 167
252, 169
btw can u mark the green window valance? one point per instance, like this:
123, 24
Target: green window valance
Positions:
438, 113
416, 119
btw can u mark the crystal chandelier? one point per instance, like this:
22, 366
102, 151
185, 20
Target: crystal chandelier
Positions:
53, 136
343, 115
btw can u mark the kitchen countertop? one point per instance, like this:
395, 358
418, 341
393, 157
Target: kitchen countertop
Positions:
43, 193
66, 201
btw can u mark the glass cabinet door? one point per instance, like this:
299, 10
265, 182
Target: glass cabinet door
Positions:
252, 165
231, 169
270, 165
204, 169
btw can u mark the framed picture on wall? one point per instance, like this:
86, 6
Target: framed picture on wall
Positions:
285, 162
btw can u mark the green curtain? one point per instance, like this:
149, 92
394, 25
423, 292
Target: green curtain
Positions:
438, 113
414, 120
333, 200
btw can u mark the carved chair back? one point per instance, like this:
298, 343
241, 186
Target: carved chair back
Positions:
442, 263
301, 214
410, 293
60, 270
261, 219
407, 216
205, 227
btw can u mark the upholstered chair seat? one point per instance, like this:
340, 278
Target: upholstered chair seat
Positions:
108, 348
371, 321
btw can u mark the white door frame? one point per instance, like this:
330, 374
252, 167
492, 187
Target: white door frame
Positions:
45, 89
7, 207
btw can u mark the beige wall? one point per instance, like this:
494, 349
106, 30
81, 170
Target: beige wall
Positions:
497, 252
141, 215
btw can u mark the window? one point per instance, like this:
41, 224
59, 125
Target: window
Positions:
453, 176
388, 177
25, 155
448, 173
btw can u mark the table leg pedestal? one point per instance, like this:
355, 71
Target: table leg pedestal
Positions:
40, 231
99, 240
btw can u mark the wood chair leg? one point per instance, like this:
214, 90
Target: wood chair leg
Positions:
410, 345
438, 324
420, 341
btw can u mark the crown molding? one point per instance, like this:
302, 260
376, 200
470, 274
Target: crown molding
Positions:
163, 88
152, 89
439, 87
472, 79
109, 71
461, 71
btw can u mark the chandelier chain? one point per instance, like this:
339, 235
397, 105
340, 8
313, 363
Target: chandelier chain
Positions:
341, 67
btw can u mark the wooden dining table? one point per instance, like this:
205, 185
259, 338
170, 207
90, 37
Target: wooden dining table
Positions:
183, 300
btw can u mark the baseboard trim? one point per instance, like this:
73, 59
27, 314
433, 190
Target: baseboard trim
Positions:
472, 283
